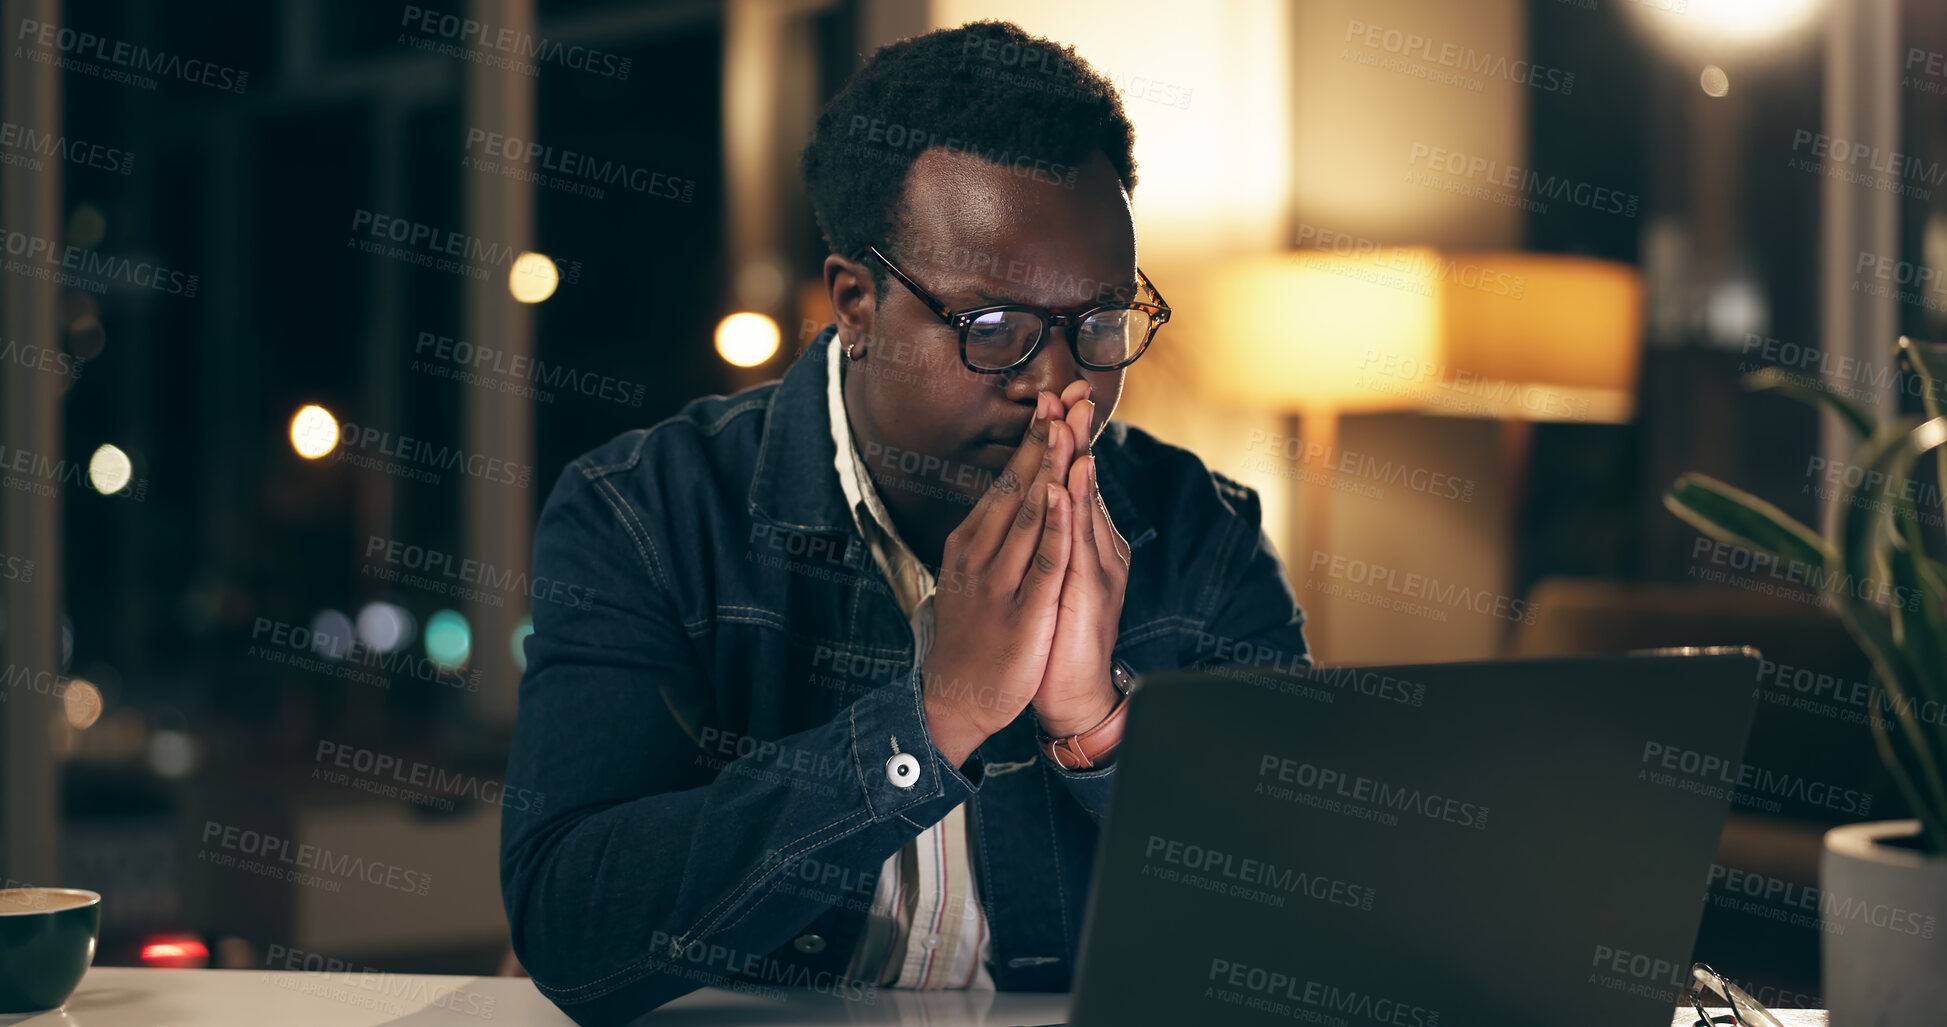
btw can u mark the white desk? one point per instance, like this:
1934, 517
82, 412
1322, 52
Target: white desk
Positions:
134, 997
128, 997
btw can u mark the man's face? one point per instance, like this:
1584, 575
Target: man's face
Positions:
977, 234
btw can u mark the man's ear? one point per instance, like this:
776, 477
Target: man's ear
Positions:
853, 301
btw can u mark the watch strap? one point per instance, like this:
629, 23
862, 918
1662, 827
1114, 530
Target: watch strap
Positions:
1081, 751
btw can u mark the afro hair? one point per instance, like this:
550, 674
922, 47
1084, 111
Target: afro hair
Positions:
987, 88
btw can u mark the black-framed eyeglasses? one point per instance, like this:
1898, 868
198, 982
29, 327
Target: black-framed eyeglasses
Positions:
1001, 337
1744, 1010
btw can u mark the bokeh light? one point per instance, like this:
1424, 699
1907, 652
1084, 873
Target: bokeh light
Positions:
331, 634
314, 432
519, 641
1708, 26
87, 226
85, 335
746, 339
82, 702
384, 627
109, 470
172, 753
533, 278
449, 639
1749, 19
1715, 81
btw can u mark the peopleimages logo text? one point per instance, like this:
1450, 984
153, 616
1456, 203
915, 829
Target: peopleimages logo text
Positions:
15, 568
1831, 907
1420, 269
1418, 378
1462, 58
1588, 195
14, 677
421, 991
427, 245
892, 137
1839, 372
79, 152
502, 39
1260, 873
1359, 788
1811, 576
40, 257
574, 165
425, 775
1414, 585
440, 566
1295, 989
680, 954
1889, 162
296, 638
519, 366
1360, 465
304, 856
90, 47
38, 473
426, 454
1713, 769
42, 358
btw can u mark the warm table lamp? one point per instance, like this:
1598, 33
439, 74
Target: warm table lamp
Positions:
1518, 337
1568, 347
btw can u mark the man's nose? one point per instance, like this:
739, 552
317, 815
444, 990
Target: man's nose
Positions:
1052, 368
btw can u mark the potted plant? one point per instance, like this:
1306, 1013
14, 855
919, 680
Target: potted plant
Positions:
1873, 563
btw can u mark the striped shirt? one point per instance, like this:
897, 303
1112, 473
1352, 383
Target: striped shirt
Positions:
926, 928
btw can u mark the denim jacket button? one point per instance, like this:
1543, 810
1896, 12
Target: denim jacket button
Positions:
903, 770
809, 944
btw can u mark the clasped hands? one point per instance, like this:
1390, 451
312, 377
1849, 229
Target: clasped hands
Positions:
1045, 571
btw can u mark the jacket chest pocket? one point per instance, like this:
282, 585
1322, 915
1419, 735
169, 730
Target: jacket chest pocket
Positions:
778, 683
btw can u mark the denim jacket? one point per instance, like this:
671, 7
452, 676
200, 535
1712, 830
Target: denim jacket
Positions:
718, 735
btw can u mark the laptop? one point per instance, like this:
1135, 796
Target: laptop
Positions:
1451, 845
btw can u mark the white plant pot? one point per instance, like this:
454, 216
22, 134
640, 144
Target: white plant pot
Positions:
1884, 911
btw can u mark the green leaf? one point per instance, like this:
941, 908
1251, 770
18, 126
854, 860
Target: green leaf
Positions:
1730, 514
1916, 355
1923, 366
1897, 753
1918, 624
1856, 530
1918, 630
1861, 546
1812, 391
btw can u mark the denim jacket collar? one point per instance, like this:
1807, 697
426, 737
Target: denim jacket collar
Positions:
795, 487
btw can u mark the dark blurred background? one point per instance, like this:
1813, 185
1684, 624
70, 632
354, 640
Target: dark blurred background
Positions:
229, 616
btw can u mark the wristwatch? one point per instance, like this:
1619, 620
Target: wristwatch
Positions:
1079, 752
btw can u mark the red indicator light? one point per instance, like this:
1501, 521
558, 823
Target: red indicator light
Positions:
181, 953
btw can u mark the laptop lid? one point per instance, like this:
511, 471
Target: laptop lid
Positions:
1459, 844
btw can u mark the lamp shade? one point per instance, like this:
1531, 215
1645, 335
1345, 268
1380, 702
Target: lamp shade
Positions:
1519, 336
1566, 337
1305, 330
